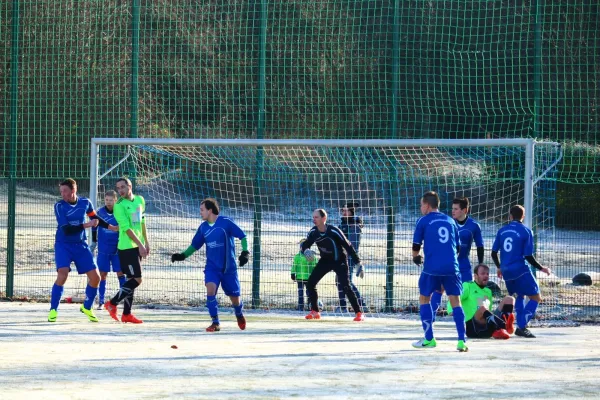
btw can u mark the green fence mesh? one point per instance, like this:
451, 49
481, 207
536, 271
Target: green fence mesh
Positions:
298, 69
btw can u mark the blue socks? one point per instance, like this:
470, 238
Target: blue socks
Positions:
435, 301
101, 291
459, 319
90, 296
520, 310
529, 313
57, 292
122, 280
427, 320
212, 305
238, 309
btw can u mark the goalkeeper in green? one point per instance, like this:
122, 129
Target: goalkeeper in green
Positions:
476, 299
302, 267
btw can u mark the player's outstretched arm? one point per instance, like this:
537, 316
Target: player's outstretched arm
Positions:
182, 256
245, 254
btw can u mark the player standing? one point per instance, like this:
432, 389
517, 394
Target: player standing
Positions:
440, 271
106, 241
334, 249
218, 232
351, 226
514, 241
71, 246
133, 245
469, 231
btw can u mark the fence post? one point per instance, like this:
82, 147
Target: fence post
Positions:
260, 132
12, 154
135, 67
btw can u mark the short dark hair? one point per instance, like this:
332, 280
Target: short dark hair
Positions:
124, 179
517, 212
321, 212
432, 199
463, 202
111, 193
476, 269
211, 204
351, 207
69, 182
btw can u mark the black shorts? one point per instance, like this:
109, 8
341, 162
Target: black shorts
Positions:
130, 262
477, 331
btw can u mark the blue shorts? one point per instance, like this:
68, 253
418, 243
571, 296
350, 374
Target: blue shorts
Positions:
78, 253
525, 285
229, 281
466, 274
431, 283
104, 262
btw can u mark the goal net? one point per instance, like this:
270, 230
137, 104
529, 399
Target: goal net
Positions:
271, 187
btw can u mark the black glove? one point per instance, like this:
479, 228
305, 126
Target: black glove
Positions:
418, 260
244, 258
177, 257
293, 277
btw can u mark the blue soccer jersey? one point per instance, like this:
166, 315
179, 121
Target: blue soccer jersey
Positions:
441, 237
514, 242
74, 215
469, 232
219, 240
107, 239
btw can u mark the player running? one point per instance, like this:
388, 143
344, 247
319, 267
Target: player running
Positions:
334, 249
71, 246
514, 241
106, 241
218, 232
440, 271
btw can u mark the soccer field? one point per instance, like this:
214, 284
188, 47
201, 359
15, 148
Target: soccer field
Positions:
279, 356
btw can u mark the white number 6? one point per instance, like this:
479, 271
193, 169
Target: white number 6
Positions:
444, 234
508, 244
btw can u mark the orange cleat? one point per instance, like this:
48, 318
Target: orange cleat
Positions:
112, 310
241, 320
313, 315
510, 323
213, 328
500, 334
359, 317
130, 318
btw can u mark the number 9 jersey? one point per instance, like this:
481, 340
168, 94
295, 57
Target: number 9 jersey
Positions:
441, 237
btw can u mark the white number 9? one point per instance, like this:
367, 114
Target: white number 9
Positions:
444, 235
508, 244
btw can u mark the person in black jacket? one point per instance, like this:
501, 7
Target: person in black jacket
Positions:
351, 226
334, 249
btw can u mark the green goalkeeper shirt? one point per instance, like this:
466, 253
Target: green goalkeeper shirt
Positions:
472, 297
302, 268
130, 214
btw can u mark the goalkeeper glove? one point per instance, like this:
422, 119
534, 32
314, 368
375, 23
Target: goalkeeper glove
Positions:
93, 247
293, 277
177, 257
244, 258
360, 271
418, 259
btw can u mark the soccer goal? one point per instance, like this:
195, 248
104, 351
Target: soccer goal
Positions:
270, 187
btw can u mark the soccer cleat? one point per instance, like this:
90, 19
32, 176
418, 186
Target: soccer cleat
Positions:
359, 317
100, 306
89, 313
340, 310
112, 310
462, 346
425, 344
213, 328
500, 334
241, 320
52, 316
510, 323
313, 315
131, 319
524, 333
